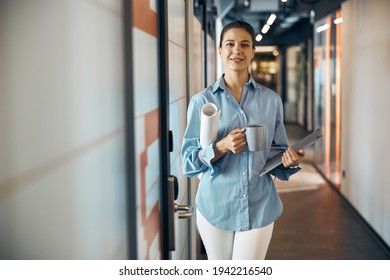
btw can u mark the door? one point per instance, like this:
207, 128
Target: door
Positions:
177, 51
159, 107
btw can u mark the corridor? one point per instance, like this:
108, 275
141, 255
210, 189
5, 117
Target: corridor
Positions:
94, 99
317, 223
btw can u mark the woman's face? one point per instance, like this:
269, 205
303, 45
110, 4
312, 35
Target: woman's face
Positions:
237, 49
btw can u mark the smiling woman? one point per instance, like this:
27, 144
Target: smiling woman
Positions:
236, 52
236, 49
235, 208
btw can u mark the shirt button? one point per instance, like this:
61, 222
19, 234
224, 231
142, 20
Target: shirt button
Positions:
244, 173
244, 195
243, 153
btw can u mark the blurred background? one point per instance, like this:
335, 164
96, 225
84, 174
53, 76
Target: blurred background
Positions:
93, 102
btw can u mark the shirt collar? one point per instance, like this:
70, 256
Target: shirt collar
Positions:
220, 84
252, 82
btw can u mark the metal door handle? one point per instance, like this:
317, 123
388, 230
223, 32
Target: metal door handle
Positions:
185, 211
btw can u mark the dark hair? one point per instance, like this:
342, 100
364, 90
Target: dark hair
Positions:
238, 24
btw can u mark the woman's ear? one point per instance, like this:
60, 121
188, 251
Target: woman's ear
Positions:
219, 50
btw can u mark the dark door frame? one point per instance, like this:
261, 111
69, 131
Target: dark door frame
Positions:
163, 82
129, 131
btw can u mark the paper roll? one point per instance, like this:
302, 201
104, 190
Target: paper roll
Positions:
209, 124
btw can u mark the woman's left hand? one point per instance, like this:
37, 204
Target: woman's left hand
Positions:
291, 158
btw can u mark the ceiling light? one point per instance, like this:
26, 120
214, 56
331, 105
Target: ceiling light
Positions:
322, 28
285, 25
271, 19
338, 20
265, 29
292, 19
284, 1
259, 37
265, 49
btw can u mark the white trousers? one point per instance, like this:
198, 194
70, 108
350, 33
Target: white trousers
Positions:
233, 245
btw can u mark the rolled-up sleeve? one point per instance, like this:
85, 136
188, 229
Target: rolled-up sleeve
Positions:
280, 142
196, 160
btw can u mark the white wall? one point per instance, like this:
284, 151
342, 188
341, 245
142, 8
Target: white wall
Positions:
211, 61
365, 110
177, 114
62, 164
218, 30
292, 79
194, 68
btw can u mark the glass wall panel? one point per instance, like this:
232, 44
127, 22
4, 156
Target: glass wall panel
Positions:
147, 129
327, 93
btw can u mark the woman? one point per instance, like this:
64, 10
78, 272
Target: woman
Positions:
235, 208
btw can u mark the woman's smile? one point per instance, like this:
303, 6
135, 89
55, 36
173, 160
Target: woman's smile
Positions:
237, 59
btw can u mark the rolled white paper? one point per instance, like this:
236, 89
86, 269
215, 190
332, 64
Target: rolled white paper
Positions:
209, 123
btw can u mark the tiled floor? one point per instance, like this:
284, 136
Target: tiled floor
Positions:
317, 224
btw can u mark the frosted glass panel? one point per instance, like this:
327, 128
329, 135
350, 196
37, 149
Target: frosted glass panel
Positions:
147, 135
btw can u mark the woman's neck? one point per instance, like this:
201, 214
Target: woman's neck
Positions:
235, 82
236, 79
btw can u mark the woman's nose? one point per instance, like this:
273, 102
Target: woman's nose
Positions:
236, 48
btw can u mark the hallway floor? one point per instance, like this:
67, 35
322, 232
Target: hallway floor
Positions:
317, 224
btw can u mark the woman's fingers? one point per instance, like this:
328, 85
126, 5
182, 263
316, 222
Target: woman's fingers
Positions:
237, 131
291, 158
237, 140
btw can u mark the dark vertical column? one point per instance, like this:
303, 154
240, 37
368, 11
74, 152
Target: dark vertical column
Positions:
205, 31
311, 81
163, 76
283, 73
306, 92
129, 131
189, 17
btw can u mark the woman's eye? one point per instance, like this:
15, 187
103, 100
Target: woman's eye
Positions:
245, 45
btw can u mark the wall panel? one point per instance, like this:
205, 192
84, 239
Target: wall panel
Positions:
177, 112
365, 84
147, 130
62, 178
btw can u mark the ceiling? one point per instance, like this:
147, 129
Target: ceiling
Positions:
294, 18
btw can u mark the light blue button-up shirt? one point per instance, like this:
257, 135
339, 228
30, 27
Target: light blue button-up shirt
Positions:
231, 195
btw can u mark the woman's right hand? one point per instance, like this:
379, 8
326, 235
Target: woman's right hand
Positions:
233, 142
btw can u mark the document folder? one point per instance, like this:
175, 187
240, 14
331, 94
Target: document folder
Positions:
302, 144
